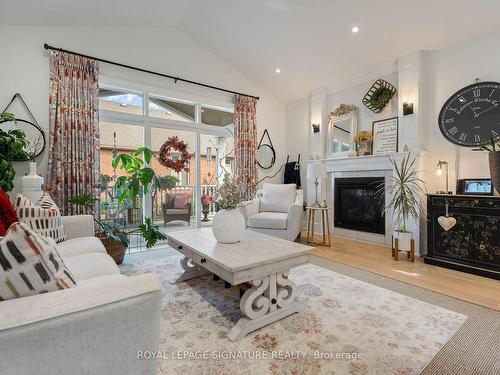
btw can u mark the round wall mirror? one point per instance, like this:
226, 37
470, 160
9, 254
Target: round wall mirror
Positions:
34, 135
266, 156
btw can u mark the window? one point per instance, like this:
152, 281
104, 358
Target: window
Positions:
171, 110
216, 117
120, 101
126, 124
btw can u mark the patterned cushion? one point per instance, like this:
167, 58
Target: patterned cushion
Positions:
30, 264
43, 217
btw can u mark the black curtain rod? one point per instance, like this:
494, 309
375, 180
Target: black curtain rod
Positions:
176, 79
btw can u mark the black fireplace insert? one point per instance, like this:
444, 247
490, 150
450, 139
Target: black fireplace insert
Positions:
357, 206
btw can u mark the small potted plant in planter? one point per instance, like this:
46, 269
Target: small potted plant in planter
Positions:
228, 223
363, 141
167, 182
405, 192
493, 149
206, 201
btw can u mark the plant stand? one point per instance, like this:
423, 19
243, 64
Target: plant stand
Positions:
205, 211
395, 249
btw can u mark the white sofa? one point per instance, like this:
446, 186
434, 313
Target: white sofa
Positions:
277, 210
97, 327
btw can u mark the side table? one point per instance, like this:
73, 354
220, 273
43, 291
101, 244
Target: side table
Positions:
323, 211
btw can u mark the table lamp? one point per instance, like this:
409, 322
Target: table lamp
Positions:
316, 170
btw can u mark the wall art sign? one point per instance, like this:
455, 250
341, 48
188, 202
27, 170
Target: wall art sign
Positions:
385, 136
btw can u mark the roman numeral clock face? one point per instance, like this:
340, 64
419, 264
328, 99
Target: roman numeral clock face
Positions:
471, 116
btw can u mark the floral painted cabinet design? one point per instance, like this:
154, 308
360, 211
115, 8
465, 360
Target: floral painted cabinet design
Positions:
473, 244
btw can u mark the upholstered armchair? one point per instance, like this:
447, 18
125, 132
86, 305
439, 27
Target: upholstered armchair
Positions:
277, 210
177, 210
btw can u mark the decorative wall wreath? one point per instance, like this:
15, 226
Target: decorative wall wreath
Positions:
165, 156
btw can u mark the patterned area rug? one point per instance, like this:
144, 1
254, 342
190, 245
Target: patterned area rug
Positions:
348, 327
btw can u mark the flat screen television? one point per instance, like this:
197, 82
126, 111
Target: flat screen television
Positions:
475, 186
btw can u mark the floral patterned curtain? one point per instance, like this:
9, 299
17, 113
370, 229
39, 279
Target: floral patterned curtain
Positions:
245, 126
73, 167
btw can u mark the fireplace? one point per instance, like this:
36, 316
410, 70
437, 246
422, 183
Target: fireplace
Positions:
356, 205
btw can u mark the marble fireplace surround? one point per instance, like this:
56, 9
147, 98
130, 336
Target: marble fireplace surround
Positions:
363, 166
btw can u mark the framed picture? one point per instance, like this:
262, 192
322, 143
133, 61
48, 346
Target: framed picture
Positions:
385, 136
475, 186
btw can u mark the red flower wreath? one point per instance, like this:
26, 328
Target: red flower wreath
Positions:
165, 156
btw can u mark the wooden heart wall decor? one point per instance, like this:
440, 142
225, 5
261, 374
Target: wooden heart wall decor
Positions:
447, 222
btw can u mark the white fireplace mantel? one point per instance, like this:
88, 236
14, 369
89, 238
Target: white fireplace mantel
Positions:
360, 163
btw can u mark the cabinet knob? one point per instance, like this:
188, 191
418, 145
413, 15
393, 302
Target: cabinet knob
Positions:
203, 260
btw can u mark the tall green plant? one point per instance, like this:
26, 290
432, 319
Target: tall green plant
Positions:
140, 178
405, 192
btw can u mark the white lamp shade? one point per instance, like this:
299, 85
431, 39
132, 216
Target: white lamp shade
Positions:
316, 170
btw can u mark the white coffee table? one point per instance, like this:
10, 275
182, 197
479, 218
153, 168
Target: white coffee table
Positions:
258, 261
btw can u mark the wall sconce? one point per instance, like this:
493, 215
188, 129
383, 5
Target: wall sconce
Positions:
315, 128
439, 172
407, 109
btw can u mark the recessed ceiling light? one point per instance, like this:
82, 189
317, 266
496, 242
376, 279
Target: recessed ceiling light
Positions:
355, 29
278, 70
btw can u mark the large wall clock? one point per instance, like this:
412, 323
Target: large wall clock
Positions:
471, 116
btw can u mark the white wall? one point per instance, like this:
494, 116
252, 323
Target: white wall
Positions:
440, 74
450, 69
24, 68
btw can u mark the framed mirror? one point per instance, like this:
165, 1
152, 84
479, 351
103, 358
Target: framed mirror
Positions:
266, 154
342, 127
35, 137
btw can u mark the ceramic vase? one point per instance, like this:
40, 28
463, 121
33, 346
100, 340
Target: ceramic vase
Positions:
32, 184
228, 225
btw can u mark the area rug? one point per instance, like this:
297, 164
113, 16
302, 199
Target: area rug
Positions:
347, 327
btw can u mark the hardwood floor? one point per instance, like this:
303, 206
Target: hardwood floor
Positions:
377, 258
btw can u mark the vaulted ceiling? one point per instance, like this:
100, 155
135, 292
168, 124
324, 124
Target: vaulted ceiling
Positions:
309, 40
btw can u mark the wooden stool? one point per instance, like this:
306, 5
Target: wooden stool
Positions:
409, 253
326, 227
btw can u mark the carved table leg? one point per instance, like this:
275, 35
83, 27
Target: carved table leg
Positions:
191, 271
269, 299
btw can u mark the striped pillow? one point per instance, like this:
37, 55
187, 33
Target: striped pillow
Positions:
43, 217
30, 264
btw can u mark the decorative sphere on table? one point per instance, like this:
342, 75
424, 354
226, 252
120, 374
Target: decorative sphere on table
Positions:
228, 225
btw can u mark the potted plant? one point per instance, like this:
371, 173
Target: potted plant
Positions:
363, 140
167, 182
493, 149
12, 145
206, 201
228, 223
405, 192
113, 236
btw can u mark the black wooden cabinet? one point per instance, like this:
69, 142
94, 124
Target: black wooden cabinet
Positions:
473, 244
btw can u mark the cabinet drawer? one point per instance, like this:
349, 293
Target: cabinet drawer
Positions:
180, 248
205, 263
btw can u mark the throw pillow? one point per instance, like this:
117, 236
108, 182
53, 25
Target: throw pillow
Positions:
277, 197
43, 217
181, 201
30, 264
7, 213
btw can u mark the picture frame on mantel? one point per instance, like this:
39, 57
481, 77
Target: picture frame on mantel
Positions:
385, 136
